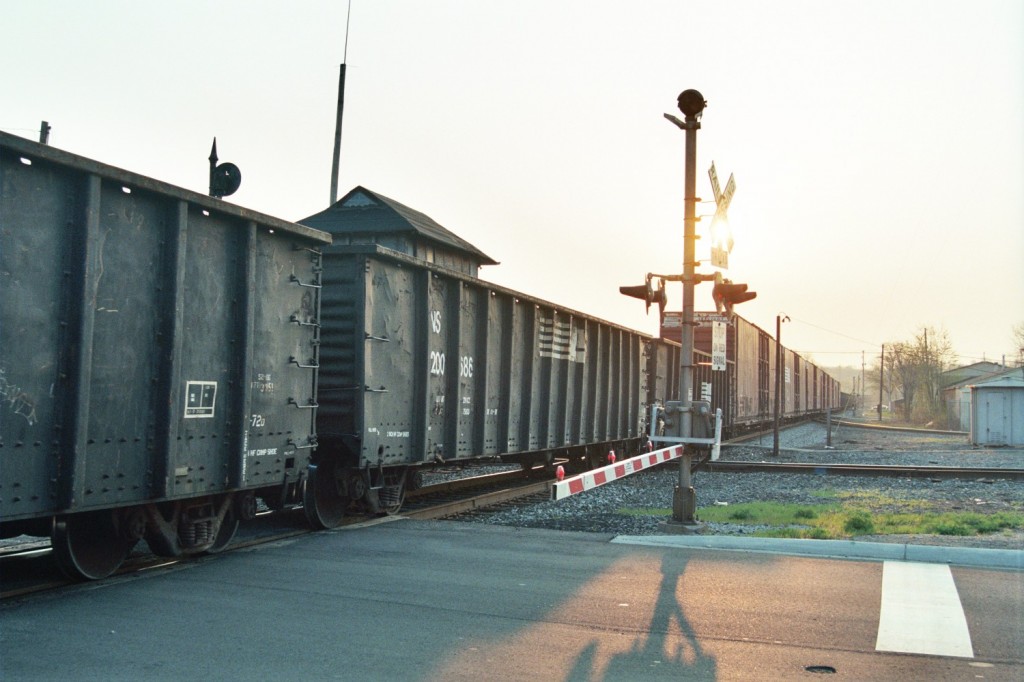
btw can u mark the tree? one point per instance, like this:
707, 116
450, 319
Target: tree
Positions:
1018, 341
916, 366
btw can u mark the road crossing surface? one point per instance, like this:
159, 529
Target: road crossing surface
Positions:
418, 600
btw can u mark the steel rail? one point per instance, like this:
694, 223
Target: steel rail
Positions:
819, 468
481, 501
458, 484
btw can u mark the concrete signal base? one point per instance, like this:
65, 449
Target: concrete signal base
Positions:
684, 506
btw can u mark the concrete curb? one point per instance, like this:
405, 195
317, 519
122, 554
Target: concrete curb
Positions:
838, 549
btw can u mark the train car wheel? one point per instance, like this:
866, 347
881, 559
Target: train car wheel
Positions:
88, 546
324, 501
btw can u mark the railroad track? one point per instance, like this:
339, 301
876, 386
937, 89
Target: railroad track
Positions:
496, 489
27, 567
899, 471
440, 500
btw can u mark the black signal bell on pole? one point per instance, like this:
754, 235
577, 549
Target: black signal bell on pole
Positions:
726, 294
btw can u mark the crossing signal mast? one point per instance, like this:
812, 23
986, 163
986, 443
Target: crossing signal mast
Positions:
686, 421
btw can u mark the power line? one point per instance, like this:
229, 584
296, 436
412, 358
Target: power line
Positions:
832, 331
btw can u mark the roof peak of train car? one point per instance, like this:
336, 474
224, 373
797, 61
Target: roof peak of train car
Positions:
365, 214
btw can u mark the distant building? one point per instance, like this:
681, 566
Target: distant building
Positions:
967, 373
366, 217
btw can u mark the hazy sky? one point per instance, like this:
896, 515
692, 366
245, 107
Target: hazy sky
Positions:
878, 147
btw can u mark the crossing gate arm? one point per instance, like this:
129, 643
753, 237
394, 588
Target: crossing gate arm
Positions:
612, 472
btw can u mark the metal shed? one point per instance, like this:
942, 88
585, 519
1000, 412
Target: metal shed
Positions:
997, 412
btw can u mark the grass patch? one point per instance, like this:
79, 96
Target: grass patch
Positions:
859, 522
766, 513
852, 517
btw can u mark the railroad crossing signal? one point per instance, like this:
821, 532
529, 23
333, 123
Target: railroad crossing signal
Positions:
647, 293
720, 256
726, 294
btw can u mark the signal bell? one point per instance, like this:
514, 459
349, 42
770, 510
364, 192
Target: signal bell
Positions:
726, 294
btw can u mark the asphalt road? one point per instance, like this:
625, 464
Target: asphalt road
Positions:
410, 600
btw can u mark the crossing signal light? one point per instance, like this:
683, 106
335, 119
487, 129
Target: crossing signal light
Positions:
726, 294
649, 294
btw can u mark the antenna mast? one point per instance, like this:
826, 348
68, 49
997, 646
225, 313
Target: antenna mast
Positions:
341, 108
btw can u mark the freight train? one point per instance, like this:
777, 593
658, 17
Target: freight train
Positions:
167, 359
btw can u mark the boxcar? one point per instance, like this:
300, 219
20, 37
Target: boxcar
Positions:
421, 364
745, 390
157, 359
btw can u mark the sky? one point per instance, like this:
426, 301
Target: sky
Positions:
877, 146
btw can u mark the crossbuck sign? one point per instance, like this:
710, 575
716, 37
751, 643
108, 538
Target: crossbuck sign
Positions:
720, 256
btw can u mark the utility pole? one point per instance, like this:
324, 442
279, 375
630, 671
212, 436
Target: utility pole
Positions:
336, 162
863, 365
779, 319
881, 382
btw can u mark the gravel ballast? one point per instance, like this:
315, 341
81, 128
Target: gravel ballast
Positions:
624, 507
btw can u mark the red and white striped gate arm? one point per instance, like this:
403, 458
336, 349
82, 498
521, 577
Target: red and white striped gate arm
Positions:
607, 474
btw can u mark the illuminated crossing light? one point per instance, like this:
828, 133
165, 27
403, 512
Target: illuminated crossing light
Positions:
726, 294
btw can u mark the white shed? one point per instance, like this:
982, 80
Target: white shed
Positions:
997, 411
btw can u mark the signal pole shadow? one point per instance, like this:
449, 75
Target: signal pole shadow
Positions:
669, 650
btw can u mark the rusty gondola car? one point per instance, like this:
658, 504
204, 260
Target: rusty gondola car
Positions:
155, 347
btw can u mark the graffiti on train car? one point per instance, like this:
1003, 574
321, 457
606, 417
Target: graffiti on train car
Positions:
17, 401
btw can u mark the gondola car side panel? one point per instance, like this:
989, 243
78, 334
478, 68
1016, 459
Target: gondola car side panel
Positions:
143, 329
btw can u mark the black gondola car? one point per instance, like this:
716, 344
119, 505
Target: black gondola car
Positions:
423, 363
157, 359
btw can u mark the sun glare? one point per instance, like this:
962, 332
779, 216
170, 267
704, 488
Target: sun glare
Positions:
720, 234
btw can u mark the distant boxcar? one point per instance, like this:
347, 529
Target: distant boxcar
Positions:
158, 353
745, 389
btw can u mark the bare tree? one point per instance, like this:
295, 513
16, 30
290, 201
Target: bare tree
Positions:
916, 366
1018, 341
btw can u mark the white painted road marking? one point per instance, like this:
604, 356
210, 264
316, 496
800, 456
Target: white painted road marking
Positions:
921, 611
